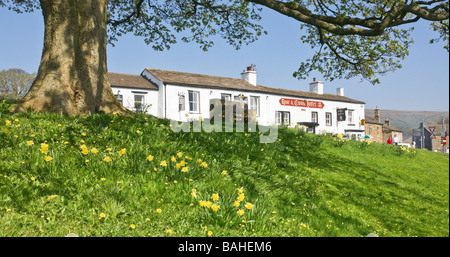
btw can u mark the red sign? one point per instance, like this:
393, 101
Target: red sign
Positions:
301, 103
432, 136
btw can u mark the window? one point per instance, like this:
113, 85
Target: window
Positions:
350, 116
194, 101
226, 97
139, 103
254, 104
283, 118
119, 98
328, 118
315, 117
286, 118
181, 103
378, 130
279, 117
242, 98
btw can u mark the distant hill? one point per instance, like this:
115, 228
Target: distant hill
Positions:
409, 120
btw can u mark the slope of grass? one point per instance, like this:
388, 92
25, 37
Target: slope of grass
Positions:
108, 175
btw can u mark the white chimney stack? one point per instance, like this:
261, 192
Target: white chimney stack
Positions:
316, 87
250, 75
340, 91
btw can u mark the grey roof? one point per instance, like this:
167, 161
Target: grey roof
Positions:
130, 81
207, 81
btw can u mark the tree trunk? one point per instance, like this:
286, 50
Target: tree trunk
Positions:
72, 78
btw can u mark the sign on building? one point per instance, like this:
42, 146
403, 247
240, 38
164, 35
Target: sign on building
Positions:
301, 103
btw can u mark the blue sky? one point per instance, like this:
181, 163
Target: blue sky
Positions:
422, 84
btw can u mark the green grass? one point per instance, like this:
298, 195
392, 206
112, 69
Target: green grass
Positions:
301, 185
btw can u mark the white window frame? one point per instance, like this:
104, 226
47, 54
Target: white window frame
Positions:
286, 118
255, 104
350, 116
194, 104
181, 103
119, 98
282, 118
328, 119
315, 117
141, 102
278, 117
226, 97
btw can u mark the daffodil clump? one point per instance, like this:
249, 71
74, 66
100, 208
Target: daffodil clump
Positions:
113, 175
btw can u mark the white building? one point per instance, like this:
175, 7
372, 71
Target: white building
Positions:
186, 96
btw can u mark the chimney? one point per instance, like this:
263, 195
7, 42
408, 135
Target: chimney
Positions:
316, 87
386, 121
377, 114
250, 75
340, 91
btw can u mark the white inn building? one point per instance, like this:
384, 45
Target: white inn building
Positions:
186, 96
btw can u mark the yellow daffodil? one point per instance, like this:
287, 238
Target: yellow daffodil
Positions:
179, 154
48, 158
132, 226
215, 207
210, 233
224, 172
163, 163
150, 158
237, 203
204, 164
107, 159
240, 212
85, 151
184, 169
122, 151
102, 216
215, 197
44, 148
249, 206
241, 197
158, 210
94, 150
30, 142
8, 123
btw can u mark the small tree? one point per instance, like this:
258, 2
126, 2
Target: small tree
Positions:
15, 83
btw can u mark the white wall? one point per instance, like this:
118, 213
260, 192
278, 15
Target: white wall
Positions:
269, 104
150, 98
166, 105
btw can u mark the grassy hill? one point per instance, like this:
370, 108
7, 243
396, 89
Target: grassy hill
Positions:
109, 175
409, 120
